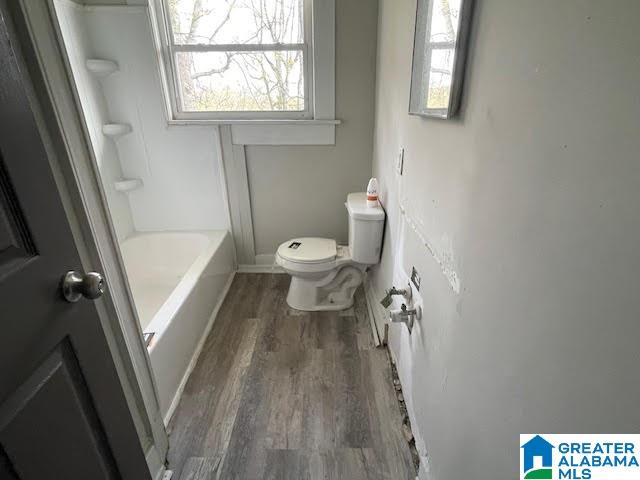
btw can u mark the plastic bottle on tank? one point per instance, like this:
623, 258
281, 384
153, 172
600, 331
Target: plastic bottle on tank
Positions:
372, 192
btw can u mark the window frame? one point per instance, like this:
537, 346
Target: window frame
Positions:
174, 91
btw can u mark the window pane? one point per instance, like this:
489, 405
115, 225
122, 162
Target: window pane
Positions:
218, 22
445, 17
440, 74
241, 81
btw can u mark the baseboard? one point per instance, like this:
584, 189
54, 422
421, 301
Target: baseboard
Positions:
155, 463
377, 314
423, 474
160, 474
266, 259
260, 269
265, 263
198, 350
424, 470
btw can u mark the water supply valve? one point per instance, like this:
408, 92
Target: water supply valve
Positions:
406, 316
388, 298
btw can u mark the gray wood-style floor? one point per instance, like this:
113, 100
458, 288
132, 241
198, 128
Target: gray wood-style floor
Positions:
282, 394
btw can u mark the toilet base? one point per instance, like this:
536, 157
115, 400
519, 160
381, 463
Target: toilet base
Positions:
332, 292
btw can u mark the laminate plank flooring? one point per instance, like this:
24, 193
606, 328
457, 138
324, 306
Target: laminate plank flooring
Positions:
282, 394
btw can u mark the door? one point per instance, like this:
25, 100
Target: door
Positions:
63, 413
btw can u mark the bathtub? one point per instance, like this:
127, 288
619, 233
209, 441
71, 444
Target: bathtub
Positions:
178, 281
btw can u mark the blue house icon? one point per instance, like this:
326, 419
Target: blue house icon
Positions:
537, 447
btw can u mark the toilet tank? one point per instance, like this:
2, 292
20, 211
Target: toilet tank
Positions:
365, 229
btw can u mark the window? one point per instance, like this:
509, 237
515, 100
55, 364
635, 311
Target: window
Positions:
440, 50
240, 59
438, 56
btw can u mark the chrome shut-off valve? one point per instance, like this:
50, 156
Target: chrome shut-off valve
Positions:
388, 298
406, 316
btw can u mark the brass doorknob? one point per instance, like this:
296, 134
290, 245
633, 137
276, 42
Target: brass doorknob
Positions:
75, 285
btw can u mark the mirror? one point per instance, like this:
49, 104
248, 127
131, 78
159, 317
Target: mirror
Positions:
439, 52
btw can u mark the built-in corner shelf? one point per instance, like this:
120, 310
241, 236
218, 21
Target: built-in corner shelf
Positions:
116, 129
127, 184
101, 68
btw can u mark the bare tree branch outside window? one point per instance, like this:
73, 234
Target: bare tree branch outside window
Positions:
443, 35
239, 55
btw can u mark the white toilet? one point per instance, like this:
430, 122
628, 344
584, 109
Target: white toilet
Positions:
324, 275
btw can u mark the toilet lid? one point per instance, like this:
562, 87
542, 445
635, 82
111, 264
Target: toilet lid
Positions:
308, 250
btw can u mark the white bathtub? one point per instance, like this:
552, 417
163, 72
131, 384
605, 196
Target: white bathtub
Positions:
178, 281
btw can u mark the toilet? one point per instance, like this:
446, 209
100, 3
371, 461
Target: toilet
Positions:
325, 275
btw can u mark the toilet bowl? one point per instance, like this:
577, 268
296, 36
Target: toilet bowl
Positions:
325, 275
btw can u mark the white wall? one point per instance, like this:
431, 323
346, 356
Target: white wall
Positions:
529, 204
178, 165
94, 107
301, 190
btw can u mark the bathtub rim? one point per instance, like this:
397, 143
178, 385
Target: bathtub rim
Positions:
171, 305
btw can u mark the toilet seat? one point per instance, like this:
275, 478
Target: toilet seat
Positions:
311, 252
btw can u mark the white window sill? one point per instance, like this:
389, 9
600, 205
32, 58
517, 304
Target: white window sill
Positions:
273, 132
242, 121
